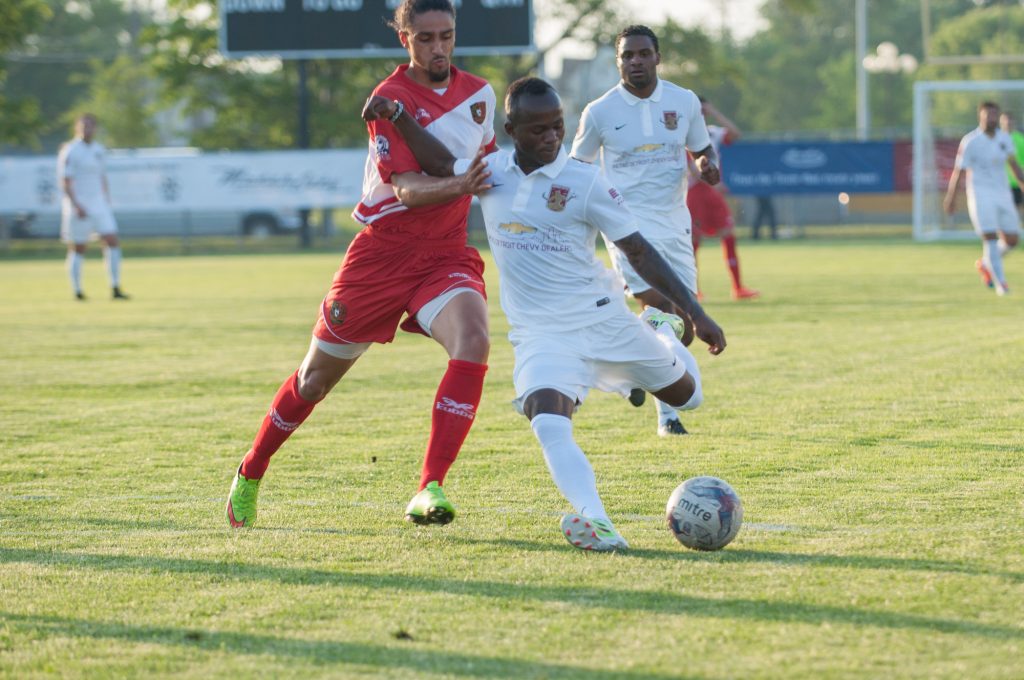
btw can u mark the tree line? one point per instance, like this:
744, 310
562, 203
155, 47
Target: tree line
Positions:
144, 68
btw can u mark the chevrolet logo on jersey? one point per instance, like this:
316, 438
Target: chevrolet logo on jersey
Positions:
647, 148
671, 120
516, 228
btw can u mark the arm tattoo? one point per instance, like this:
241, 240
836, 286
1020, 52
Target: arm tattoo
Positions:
653, 268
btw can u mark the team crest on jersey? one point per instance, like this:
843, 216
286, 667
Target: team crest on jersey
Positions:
558, 197
422, 116
671, 120
338, 312
479, 111
383, 147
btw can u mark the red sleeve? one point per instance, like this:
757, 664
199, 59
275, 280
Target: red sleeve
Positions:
392, 154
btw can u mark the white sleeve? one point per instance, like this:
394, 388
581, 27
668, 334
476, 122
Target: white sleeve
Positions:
697, 137
491, 103
65, 165
963, 159
606, 209
587, 143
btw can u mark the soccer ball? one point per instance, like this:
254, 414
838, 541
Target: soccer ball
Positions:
704, 513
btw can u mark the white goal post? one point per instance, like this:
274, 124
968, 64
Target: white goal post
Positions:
961, 97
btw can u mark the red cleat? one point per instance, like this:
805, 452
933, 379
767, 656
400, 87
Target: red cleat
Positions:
986, 277
744, 293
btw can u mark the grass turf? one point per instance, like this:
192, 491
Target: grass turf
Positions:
867, 410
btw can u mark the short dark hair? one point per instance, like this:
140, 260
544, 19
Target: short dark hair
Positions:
988, 104
523, 86
405, 12
636, 29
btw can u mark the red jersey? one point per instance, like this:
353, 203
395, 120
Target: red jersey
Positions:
462, 118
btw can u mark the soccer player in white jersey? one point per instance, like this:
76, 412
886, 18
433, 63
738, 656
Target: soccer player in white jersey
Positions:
641, 130
984, 153
85, 208
571, 328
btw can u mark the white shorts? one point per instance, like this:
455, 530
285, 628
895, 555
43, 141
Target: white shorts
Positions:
991, 213
677, 251
614, 355
99, 219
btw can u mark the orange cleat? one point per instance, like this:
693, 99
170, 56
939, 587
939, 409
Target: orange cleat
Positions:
744, 293
986, 277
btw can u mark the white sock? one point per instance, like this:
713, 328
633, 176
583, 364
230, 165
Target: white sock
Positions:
666, 412
113, 258
74, 266
670, 340
568, 464
994, 260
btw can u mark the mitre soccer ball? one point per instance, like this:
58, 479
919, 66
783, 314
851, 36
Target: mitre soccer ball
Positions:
704, 513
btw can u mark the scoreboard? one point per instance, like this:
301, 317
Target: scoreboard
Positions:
312, 29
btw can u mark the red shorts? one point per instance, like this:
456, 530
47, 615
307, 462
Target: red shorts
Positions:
383, 277
708, 209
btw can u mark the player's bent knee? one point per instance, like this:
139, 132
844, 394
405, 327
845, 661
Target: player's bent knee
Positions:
684, 395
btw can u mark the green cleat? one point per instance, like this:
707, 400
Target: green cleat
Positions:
242, 501
430, 506
657, 318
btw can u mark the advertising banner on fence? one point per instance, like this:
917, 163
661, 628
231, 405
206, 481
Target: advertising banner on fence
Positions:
183, 182
808, 167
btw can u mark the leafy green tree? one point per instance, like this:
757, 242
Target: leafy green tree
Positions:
120, 94
19, 115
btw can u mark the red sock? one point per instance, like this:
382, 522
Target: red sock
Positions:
458, 397
731, 259
286, 413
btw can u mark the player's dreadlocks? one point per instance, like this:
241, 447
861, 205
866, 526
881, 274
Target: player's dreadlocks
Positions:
405, 12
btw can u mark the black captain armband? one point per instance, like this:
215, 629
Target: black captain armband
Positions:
399, 109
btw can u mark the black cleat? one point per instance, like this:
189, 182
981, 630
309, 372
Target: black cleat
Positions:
80, 295
672, 427
118, 295
637, 397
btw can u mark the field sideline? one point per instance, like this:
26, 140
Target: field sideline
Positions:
868, 410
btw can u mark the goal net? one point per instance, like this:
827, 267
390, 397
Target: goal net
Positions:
944, 111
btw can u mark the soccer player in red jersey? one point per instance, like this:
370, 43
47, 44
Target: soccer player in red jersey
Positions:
711, 214
411, 258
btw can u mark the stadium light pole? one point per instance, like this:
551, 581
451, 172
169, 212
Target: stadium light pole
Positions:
861, 31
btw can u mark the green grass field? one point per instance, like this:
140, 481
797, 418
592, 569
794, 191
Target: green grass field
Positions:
868, 410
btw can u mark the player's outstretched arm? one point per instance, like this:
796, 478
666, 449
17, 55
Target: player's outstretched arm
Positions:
650, 265
1017, 171
707, 163
433, 156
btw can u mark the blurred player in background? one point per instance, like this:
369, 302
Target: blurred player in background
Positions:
711, 214
1006, 124
641, 129
984, 153
571, 328
411, 258
85, 208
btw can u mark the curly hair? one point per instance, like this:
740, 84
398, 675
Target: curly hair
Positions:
408, 9
636, 29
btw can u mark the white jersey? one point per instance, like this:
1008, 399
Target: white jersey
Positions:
83, 163
642, 145
986, 159
542, 228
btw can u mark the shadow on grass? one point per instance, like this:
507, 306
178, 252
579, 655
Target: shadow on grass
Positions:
604, 598
738, 555
317, 651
